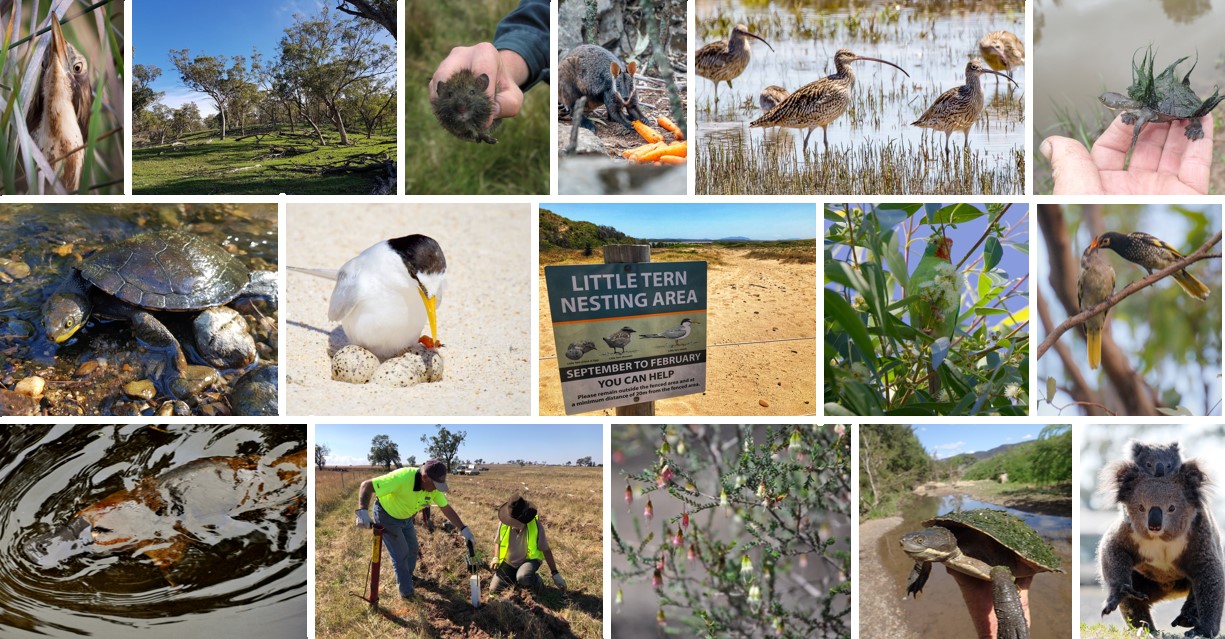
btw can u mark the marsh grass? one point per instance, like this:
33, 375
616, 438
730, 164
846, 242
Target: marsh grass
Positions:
570, 501
438, 162
97, 33
749, 167
203, 163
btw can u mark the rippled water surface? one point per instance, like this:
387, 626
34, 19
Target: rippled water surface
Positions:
238, 571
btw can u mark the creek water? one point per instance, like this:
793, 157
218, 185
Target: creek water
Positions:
253, 584
938, 611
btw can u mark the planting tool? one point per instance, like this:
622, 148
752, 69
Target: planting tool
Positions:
474, 582
375, 560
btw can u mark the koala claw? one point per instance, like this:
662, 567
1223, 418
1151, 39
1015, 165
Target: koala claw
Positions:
1113, 600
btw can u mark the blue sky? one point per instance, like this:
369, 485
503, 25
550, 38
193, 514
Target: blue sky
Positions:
699, 221
550, 443
945, 441
216, 27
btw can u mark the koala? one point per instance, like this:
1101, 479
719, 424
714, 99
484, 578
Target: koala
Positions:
1165, 544
1157, 460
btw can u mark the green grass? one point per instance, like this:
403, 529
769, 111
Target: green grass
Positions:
439, 163
205, 164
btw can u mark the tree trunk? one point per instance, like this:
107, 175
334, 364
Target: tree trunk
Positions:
306, 116
221, 114
339, 121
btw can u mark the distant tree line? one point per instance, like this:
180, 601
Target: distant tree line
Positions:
1046, 460
328, 72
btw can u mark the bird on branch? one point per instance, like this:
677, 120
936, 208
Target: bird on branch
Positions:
936, 285
58, 117
1153, 254
1095, 285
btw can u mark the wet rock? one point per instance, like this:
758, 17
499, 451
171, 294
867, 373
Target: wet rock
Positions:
31, 387
140, 389
14, 269
256, 393
14, 404
223, 338
354, 364
193, 380
417, 365
88, 368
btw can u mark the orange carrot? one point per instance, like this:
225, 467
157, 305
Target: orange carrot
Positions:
676, 148
636, 153
672, 159
668, 124
647, 133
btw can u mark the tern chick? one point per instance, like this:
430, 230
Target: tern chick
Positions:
577, 350
619, 339
385, 296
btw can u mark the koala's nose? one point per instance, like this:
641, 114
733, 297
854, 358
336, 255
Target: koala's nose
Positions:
1159, 471
1154, 519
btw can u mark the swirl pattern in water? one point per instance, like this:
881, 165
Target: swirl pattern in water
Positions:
153, 530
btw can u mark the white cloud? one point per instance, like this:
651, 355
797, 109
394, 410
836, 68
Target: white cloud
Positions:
951, 446
1028, 436
346, 460
176, 98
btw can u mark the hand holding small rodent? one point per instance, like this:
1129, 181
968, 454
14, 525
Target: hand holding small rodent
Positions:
506, 66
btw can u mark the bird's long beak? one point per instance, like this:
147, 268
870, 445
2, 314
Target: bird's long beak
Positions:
431, 306
763, 40
860, 57
58, 43
1006, 77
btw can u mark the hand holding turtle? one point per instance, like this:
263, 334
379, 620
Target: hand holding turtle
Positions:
1164, 161
980, 601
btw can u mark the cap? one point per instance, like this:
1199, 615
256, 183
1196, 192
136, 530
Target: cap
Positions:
437, 472
516, 513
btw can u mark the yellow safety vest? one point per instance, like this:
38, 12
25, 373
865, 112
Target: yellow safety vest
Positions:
397, 497
504, 541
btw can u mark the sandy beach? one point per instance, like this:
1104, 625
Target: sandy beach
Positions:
748, 300
483, 321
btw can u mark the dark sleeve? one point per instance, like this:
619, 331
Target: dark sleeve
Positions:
526, 32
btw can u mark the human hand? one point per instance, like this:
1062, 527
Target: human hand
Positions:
561, 583
363, 519
467, 533
980, 602
482, 58
1164, 161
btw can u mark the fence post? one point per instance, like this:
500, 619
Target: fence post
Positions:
619, 254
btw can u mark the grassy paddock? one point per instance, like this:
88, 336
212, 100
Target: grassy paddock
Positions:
202, 163
438, 162
570, 503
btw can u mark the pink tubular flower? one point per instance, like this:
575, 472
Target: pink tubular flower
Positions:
657, 580
839, 430
678, 539
629, 496
685, 519
693, 552
665, 476
648, 511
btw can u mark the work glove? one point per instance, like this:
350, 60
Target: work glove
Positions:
363, 519
494, 565
561, 583
467, 533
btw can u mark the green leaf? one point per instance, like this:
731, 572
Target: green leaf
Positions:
888, 218
953, 214
832, 409
992, 253
940, 350
845, 316
1050, 389
1020, 246
896, 261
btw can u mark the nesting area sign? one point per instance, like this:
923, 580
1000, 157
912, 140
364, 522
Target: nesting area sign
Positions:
628, 333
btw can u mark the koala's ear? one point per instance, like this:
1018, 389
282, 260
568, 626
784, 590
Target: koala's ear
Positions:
1118, 480
1193, 481
1136, 447
1174, 448
482, 81
615, 68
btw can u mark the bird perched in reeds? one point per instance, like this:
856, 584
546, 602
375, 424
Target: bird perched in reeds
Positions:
1096, 283
1153, 254
58, 116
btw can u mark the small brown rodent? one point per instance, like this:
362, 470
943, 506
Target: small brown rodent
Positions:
462, 108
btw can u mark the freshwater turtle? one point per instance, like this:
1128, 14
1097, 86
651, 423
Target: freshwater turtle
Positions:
1163, 98
987, 544
155, 271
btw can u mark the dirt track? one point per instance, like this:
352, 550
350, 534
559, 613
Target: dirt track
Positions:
747, 300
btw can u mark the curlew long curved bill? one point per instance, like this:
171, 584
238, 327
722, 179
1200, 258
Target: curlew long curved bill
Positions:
757, 37
860, 57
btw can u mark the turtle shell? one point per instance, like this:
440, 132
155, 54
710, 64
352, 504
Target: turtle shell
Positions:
167, 270
1008, 530
1165, 93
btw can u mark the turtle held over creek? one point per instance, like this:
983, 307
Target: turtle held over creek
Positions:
1163, 98
155, 271
986, 544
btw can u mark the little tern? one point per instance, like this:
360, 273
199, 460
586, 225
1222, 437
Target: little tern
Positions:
676, 333
385, 296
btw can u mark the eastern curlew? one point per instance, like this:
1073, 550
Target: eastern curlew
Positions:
771, 96
819, 103
725, 60
958, 108
1002, 51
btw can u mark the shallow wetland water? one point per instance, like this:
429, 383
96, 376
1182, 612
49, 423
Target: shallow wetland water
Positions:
873, 148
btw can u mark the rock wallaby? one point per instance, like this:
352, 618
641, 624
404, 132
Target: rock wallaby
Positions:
1164, 544
592, 72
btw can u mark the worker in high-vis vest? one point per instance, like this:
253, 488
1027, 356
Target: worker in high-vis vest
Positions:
521, 545
401, 494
